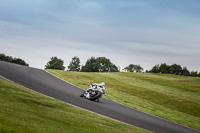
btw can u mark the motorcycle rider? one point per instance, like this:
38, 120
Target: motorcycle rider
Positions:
95, 86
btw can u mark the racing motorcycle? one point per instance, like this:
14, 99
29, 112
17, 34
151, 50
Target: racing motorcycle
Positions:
94, 92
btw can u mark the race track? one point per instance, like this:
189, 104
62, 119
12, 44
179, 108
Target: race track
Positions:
45, 83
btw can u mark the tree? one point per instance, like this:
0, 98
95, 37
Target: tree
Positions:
175, 69
55, 63
74, 64
164, 68
138, 68
129, 68
194, 73
100, 64
155, 69
133, 68
114, 68
10, 59
199, 74
186, 72
90, 65
105, 65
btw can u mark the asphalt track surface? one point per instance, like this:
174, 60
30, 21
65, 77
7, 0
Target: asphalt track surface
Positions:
48, 84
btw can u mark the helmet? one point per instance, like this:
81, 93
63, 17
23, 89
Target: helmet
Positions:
102, 83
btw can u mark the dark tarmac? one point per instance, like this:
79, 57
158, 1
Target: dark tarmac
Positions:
48, 84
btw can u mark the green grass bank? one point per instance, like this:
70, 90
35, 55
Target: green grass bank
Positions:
25, 111
173, 97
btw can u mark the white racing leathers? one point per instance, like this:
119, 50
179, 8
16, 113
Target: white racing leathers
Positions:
96, 87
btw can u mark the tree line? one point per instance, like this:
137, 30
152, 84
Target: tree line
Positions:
102, 64
173, 69
99, 64
10, 59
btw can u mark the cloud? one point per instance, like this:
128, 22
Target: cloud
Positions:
138, 32
131, 4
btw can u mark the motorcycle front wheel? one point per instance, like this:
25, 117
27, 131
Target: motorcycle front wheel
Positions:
98, 95
82, 94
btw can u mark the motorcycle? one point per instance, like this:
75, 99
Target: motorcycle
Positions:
94, 92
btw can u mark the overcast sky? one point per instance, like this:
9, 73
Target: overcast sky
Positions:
145, 32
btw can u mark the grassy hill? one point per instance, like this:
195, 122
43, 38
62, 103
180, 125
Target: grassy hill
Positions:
173, 97
23, 110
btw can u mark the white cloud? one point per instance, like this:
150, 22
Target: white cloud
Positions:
141, 34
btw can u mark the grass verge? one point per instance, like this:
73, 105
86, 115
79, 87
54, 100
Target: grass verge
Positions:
173, 97
23, 110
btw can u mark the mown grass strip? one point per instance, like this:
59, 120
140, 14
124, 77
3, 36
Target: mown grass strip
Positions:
173, 97
23, 110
